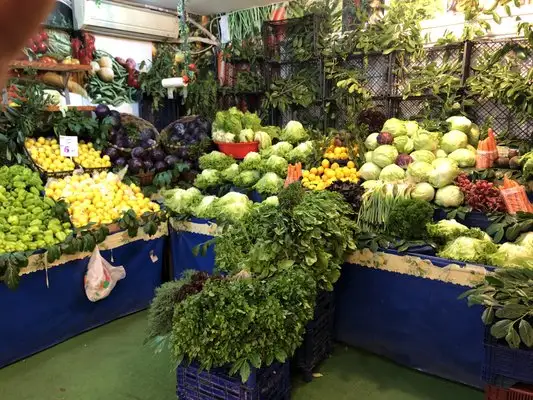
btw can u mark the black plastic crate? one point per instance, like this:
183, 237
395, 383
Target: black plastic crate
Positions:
291, 39
318, 338
268, 383
504, 366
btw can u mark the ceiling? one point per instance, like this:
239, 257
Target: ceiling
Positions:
208, 7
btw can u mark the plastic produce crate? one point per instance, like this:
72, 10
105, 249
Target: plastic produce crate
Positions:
505, 366
519, 392
318, 339
268, 383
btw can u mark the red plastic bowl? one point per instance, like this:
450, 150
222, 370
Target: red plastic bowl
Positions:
238, 150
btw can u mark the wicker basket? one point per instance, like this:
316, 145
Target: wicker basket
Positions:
179, 150
140, 124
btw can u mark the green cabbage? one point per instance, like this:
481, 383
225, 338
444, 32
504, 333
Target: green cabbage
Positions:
453, 140
251, 161
215, 160
231, 172
294, 133
473, 135
411, 127
229, 121
206, 208
525, 239
233, 206
246, 179
223, 137
368, 156
419, 171
181, 201
425, 140
469, 250
302, 152
441, 153
444, 174
208, 179
423, 191
251, 121
272, 201
404, 144
369, 171
246, 135
392, 173
265, 141
446, 229
275, 164
510, 254
384, 155
371, 142
395, 127
449, 196
281, 149
459, 123
423, 155
269, 184
464, 158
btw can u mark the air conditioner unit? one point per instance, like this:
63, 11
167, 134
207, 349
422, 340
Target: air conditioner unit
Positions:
124, 20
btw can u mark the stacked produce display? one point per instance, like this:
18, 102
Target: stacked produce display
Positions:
28, 220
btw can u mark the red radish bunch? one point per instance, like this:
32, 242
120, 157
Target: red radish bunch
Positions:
38, 44
83, 50
481, 195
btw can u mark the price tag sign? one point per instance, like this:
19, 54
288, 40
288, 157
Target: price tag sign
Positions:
68, 146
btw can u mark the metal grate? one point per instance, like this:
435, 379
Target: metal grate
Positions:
406, 67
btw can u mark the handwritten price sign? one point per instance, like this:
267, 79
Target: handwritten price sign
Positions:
68, 146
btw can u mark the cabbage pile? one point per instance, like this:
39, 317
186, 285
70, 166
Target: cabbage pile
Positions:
231, 207
429, 160
234, 126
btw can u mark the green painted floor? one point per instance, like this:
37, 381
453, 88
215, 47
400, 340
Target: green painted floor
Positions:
110, 363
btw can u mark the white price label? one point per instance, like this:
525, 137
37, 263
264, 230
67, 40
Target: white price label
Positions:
68, 146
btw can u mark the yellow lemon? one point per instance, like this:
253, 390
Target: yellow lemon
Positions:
325, 163
305, 173
320, 170
313, 171
334, 166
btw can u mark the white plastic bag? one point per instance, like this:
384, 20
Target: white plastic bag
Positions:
101, 277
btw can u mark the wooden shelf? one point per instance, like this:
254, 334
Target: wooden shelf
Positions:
79, 108
49, 67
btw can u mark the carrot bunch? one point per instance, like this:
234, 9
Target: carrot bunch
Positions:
515, 197
294, 173
487, 151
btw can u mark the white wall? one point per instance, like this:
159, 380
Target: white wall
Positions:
454, 22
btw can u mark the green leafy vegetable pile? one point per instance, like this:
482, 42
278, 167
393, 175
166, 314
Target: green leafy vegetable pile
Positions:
244, 322
311, 230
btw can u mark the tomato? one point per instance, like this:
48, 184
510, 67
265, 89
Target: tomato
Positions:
185, 79
48, 60
44, 36
34, 48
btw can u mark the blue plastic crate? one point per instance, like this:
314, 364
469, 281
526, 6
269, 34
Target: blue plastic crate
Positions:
268, 383
318, 339
504, 366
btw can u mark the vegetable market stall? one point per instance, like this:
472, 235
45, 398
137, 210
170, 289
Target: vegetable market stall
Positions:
405, 307
50, 305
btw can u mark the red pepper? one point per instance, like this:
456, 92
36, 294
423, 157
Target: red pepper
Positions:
185, 79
